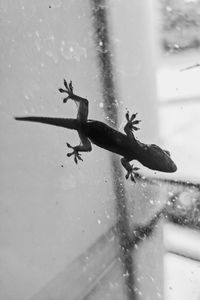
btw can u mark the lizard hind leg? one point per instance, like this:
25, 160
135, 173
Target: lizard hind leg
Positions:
68, 90
85, 146
77, 155
82, 114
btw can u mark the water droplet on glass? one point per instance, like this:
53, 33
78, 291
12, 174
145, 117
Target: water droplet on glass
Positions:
101, 105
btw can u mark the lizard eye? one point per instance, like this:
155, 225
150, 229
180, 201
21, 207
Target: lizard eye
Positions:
167, 152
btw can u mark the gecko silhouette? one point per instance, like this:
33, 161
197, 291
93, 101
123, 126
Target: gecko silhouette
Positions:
104, 136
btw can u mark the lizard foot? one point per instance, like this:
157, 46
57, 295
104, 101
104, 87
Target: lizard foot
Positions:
131, 173
68, 90
77, 155
131, 121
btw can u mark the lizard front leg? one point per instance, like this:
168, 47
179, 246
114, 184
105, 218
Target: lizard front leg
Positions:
131, 171
131, 125
128, 129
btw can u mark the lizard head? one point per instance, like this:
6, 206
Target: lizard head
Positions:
159, 159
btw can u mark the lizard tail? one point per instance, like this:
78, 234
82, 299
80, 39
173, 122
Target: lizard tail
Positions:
61, 122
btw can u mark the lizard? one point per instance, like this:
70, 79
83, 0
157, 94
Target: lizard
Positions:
99, 133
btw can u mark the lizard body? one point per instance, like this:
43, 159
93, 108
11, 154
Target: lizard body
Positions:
104, 136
